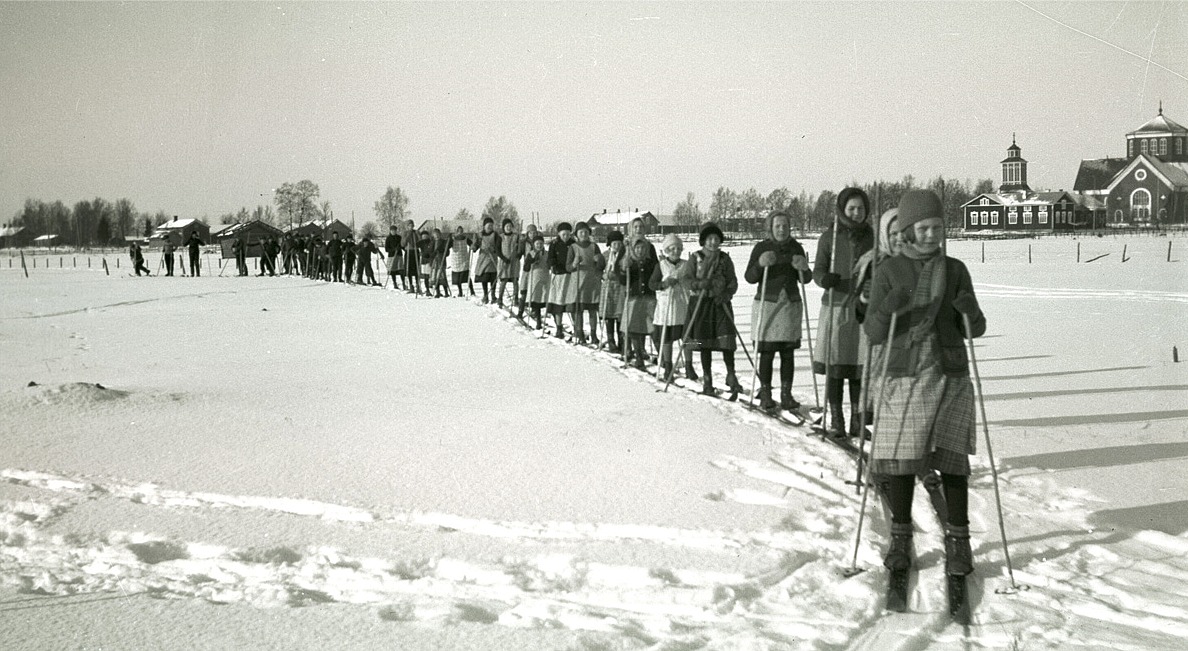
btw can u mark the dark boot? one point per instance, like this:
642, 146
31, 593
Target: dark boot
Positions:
668, 372
690, 372
899, 554
707, 385
786, 399
765, 401
837, 420
958, 555
856, 420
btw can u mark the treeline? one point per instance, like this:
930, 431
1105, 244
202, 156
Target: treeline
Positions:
745, 211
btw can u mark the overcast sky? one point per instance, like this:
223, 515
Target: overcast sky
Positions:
565, 108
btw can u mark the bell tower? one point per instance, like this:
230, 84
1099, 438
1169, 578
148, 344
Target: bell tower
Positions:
1014, 170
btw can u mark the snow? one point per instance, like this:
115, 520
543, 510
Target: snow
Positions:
224, 462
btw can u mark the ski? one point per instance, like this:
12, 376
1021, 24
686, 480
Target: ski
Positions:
788, 417
955, 584
897, 590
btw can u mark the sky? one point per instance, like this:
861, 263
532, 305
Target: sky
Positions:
564, 108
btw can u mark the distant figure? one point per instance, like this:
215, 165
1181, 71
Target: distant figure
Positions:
194, 244
349, 249
239, 248
137, 256
366, 248
268, 250
395, 258
334, 251
167, 251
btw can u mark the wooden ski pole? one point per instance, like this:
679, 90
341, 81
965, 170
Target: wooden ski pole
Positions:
874, 437
696, 312
973, 360
757, 336
808, 337
832, 333
664, 331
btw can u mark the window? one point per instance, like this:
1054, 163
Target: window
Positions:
994, 218
1163, 146
1143, 145
973, 218
985, 218
1027, 214
984, 202
1130, 149
1013, 216
1043, 215
1179, 146
1140, 174
1140, 206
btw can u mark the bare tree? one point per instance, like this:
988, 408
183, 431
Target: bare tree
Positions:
500, 209
687, 212
392, 208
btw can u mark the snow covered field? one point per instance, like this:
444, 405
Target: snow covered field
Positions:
224, 462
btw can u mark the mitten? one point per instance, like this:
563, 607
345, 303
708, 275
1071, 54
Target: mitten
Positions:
965, 303
767, 258
828, 280
896, 300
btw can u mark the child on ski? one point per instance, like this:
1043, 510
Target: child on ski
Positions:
510, 250
710, 324
437, 273
487, 244
586, 264
425, 248
672, 306
925, 411
562, 290
525, 246
460, 261
777, 311
635, 273
836, 354
536, 262
888, 243
611, 304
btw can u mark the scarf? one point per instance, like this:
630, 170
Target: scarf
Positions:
929, 291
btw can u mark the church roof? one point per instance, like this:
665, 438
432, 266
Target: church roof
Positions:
1096, 174
1159, 124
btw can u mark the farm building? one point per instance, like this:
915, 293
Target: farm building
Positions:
322, 228
46, 240
254, 232
15, 236
603, 222
469, 226
178, 231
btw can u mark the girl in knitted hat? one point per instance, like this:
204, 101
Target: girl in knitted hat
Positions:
777, 305
525, 246
586, 264
836, 354
610, 304
925, 411
672, 306
510, 251
488, 245
460, 261
710, 324
561, 288
635, 272
536, 261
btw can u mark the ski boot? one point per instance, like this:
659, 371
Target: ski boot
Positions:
787, 402
668, 373
690, 374
734, 386
837, 421
856, 421
765, 401
707, 386
958, 555
898, 562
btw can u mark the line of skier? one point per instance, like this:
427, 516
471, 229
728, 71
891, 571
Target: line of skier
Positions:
898, 306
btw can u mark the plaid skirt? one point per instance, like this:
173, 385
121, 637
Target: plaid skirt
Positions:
610, 306
923, 421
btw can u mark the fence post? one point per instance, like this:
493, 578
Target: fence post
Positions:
983, 253
1169, 250
106, 271
1078, 252
1028, 254
1123, 253
23, 267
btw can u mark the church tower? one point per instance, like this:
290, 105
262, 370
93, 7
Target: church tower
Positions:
1014, 170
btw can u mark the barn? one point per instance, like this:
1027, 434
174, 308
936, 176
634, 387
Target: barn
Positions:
323, 228
178, 231
603, 222
254, 232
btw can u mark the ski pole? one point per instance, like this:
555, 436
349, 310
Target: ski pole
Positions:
757, 336
625, 340
874, 437
808, 336
866, 375
693, 317
827, 300
664, 331
990, 453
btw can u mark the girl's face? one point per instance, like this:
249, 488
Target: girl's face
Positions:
538, 245
617, 246
633, 227
673, 251
781, 229
641, 250
583, 236
929, 234
855, 210
713, 243
565, 235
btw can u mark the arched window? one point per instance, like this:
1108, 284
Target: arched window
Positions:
1140, 205
1118, 216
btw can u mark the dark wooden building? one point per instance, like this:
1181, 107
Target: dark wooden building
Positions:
255, 232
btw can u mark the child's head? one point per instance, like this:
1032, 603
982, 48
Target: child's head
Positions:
488, 225
921, 220
564, 230
614, 241
779, 226
508, 226
710, 237
672, 247
538, 243
640, 248
582, 232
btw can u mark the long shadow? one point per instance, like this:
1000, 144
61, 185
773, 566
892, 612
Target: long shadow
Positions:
1093, 419
1011, 359
1027, 395
1170, 518
1024, 376
1121, 455
58, 601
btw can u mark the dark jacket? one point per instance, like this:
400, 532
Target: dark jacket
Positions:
855, 241
640, 275
781, 275
392, 244
902, 273
559, 256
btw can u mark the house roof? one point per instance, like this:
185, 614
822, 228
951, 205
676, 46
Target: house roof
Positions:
1096, 173
255, 225
1159, 124
620, 218
10, 231
176, 223
45, 238
1175, 175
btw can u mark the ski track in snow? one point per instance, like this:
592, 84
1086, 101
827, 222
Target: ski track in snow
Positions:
1081, 588
1128, 295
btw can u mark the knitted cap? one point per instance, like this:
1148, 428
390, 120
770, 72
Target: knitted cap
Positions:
506, 221
613, 236
918, 205
710, 229
581, 226
669, 240
564, 226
